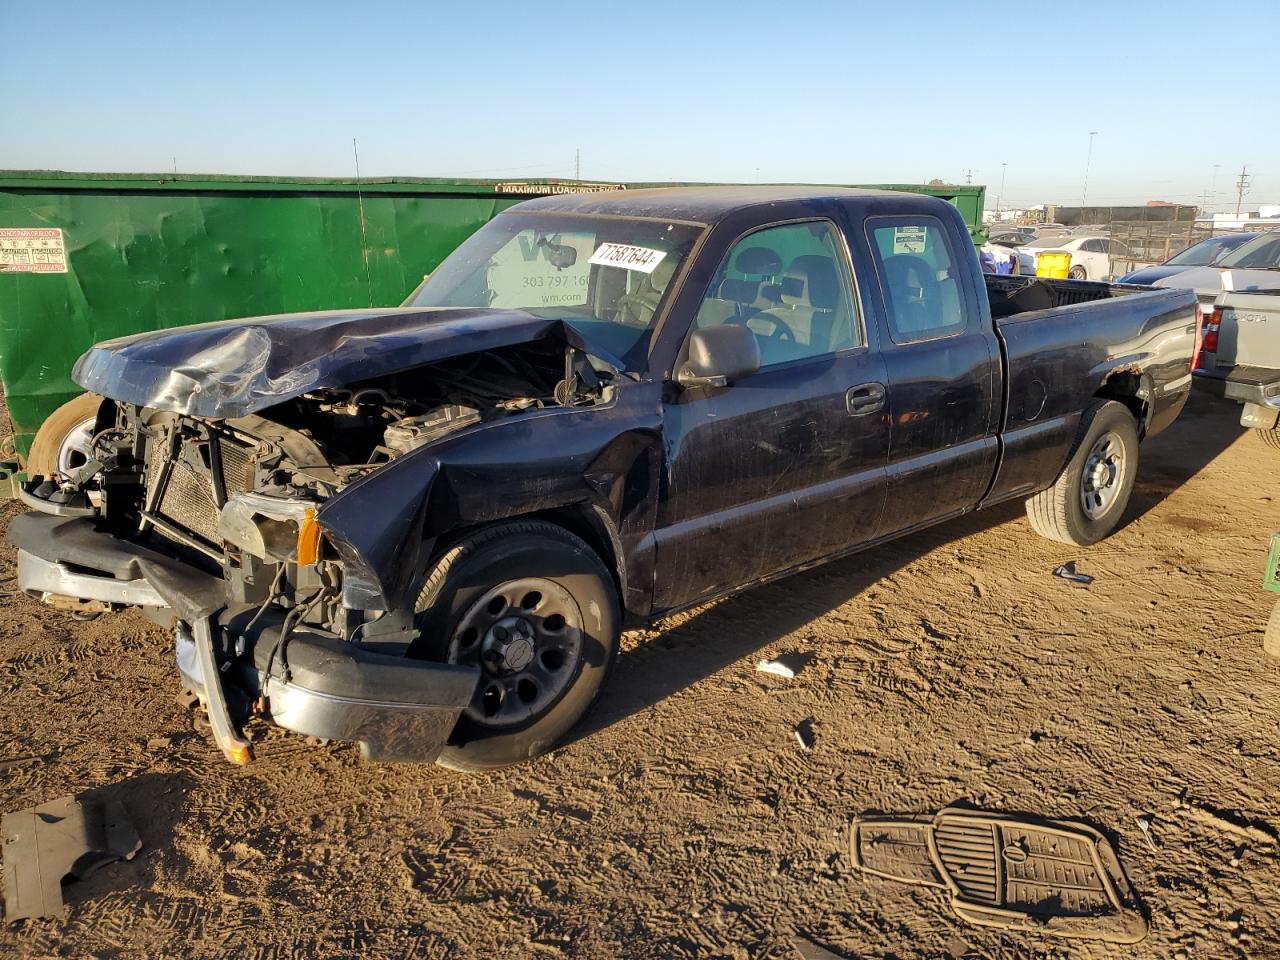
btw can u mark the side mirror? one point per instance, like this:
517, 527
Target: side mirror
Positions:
720, 355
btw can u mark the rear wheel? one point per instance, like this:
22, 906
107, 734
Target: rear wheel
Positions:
533, 607
61, 444
1078, 273
1270, 437
1090, 495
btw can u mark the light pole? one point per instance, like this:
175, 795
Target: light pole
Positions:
1084, 194
1000, 195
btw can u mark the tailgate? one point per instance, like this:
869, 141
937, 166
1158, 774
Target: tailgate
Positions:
1249, 334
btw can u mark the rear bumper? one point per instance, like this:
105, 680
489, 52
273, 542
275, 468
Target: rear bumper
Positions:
1259, 385
312, 682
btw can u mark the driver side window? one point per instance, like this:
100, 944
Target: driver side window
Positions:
789, 285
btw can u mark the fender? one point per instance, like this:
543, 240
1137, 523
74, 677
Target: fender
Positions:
601, 462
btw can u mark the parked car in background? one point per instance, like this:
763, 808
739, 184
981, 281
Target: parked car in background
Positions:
1205, 253
1239, 357
1252, 266
1090, 256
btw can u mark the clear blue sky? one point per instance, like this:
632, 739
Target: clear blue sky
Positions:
650, 90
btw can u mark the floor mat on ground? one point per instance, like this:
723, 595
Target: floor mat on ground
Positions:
1009, 871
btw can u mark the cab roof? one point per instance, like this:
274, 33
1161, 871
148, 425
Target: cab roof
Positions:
706, 204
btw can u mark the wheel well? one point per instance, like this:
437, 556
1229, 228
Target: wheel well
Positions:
1130, 389
578, 519
583, 522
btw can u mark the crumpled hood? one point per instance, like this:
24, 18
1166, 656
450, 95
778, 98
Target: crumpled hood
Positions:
236, 367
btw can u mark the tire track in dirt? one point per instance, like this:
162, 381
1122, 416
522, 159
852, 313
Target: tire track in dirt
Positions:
686, 821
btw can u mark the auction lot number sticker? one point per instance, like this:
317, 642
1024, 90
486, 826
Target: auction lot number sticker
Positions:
32, 250
628, 257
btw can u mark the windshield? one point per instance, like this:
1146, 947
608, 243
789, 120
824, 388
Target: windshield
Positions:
1205, 252
1260, 253
605, 276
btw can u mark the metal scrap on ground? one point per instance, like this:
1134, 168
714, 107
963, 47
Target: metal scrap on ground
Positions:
44, 844
1067, 571
1008, 871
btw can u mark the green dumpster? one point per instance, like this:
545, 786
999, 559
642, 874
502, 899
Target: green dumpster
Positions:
89, 256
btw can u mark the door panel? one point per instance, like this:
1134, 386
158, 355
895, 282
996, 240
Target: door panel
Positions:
767, 474
943, 367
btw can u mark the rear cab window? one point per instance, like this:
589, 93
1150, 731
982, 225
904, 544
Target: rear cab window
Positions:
918, 270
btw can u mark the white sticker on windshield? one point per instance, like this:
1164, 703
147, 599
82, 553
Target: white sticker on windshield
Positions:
628, 257
909, 239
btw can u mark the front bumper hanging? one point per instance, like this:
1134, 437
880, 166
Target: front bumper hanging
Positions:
312, 682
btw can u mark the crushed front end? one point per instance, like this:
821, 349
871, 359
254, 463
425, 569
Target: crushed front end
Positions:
219, 527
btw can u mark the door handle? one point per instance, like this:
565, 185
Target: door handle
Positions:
865, 398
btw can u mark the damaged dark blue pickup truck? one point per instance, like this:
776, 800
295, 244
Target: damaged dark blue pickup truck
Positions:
421, 528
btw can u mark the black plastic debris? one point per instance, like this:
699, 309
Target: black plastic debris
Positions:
44, 844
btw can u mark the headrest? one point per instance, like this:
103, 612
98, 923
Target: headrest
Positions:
820, 282
662, 274
758, 260
793, 289
739, 291
906, 270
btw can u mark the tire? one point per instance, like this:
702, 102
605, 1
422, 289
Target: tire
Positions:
58, 435
1271, 639
1270, 437
1106, 447
539, 675
1078, 273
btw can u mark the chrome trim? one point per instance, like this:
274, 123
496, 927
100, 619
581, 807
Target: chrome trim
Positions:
44, 578
386, 731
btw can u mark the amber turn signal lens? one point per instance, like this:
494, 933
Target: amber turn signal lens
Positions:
308, 540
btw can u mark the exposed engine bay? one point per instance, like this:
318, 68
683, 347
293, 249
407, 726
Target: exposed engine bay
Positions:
238, 497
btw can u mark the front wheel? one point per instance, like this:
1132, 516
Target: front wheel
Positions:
534, 608
1270, 437
1090, 495
61, 445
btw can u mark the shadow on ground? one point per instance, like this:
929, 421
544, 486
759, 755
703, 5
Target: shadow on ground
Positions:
648, 674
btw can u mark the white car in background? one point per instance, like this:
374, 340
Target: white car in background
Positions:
1090, 256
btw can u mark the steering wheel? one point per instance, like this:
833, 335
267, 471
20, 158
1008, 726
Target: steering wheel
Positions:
780, 332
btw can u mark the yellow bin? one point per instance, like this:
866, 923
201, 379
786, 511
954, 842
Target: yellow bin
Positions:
1053, 263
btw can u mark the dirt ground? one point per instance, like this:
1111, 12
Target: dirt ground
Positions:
685, 820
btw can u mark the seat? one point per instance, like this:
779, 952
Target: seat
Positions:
912, 291
809, 296
638, 307
734, 298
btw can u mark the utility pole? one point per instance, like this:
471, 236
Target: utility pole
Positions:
577, 163
1213, 185
1000, 195
1084, 194
1242, 185
968, 176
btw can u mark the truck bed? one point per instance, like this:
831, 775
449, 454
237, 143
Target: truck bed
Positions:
1010, 296
1056, 337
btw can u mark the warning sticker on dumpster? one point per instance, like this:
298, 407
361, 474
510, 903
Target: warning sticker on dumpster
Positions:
628, 257
32, 250
909, 239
